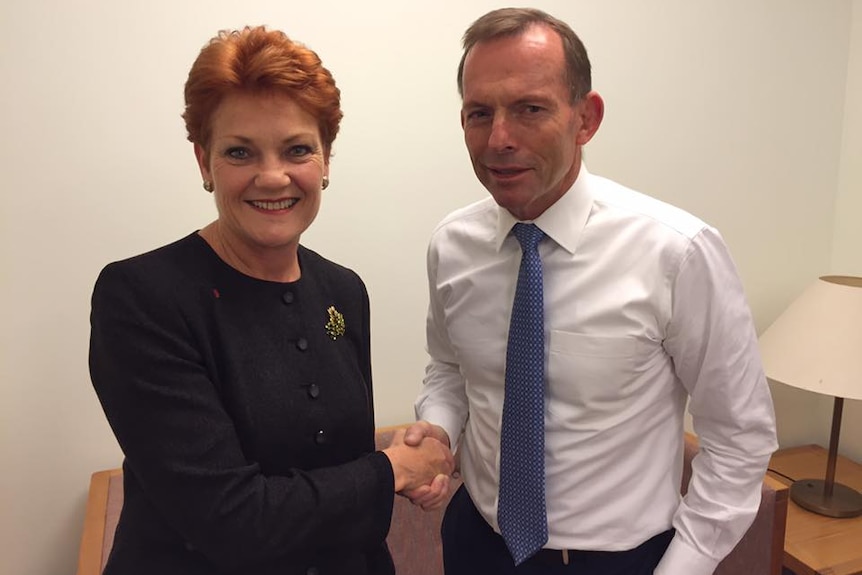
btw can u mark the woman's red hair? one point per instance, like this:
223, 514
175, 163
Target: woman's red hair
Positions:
259, 61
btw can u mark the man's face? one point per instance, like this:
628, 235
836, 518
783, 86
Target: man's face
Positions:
521, 129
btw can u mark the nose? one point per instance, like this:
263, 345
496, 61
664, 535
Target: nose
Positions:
501, 138
272, 174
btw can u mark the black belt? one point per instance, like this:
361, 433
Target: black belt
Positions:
556, 557
553, 557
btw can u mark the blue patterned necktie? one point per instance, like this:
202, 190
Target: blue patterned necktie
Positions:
521, 510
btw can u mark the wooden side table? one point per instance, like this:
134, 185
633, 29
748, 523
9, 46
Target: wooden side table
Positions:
815, 544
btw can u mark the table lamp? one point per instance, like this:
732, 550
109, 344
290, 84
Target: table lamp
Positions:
816, 345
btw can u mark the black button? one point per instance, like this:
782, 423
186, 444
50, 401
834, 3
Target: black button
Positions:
312, 571
313, 391
302, 344
320, 437
287, 297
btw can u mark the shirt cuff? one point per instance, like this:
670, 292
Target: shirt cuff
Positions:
450, 424
681, 559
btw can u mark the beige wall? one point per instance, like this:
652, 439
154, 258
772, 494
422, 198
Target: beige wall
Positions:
735, 110
847, 250
805, 417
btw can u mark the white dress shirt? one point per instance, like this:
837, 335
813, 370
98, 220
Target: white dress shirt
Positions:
643, 310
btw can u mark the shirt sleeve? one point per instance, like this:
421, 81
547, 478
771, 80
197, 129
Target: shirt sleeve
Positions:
712, 341
443, 399
182, 447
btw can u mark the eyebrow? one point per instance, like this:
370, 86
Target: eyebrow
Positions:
288, 140
527, 99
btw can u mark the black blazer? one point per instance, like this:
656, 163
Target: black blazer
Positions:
244, 411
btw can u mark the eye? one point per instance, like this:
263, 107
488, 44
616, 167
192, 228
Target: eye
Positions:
237, 153
477, 114
532, 109
299, 151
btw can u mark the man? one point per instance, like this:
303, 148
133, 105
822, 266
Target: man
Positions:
640, 310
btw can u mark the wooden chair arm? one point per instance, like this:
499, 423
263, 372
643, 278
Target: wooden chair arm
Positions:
93, 535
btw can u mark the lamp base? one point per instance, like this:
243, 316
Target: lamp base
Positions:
844, 501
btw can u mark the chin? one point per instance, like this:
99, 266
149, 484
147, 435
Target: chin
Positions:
509, 199
269, 241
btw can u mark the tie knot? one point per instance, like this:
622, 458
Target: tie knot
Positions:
529, 235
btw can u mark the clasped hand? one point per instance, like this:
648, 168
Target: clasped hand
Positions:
422, 463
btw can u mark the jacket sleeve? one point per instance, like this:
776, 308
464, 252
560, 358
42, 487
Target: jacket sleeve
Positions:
184, 451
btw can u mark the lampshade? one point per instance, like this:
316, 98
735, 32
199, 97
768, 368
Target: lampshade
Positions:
816, 344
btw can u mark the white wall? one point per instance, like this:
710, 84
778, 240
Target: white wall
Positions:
732, 109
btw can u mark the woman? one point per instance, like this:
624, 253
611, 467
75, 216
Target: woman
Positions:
234, 364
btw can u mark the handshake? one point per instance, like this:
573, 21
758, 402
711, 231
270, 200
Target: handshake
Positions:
422, 463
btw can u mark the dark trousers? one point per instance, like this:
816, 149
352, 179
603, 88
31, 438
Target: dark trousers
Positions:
472, 547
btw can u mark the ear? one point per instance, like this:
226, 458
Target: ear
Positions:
202, 157
591, 109
461, 116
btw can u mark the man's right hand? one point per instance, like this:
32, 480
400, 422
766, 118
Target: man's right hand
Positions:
418, 463
422, 429
436, 493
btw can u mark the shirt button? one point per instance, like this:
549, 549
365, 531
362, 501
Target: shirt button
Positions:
287, 297
320, 437
313, 391
302, 344
312, 571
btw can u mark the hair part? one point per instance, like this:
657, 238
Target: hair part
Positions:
255, 60
508, 22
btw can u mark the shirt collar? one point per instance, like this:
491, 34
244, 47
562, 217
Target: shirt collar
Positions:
563, 221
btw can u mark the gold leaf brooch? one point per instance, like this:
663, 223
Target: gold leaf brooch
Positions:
335, 325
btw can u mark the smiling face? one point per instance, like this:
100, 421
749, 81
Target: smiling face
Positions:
523, 133
266, 161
